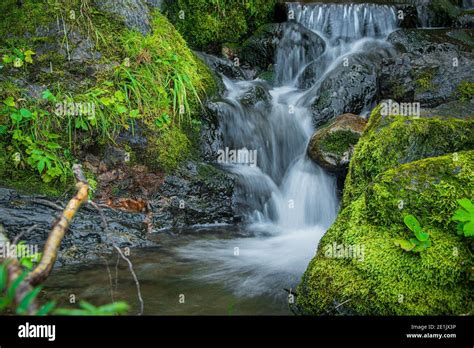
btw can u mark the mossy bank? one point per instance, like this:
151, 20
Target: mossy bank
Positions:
78, 76
401, 165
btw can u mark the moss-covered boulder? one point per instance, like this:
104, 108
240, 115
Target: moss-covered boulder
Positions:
389, 141
332, 146
377, 277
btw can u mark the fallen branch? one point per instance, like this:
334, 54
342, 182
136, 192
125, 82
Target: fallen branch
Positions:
50, 252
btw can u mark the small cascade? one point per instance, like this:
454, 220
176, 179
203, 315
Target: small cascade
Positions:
289, 201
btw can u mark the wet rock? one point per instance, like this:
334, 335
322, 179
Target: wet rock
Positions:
223, 66
256, 92
199, 194
430, 66
86, 238
331, 147
135, 13
260, 49
211, 134
465, 20
351, 88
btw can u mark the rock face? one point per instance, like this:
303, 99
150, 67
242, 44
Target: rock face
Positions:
431, 66
260, 49
352, 87
199, 194
332, 146
401, 165
223, 66
85, 239
135, 13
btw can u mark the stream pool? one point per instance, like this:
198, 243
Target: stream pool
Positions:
220, 270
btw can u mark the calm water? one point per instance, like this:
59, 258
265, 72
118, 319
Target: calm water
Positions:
167, 272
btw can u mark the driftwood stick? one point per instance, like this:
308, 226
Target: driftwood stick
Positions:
50, 252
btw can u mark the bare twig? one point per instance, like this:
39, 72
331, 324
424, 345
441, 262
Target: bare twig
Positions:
110, 280
45, 202
130, 265
21, 234
137, 283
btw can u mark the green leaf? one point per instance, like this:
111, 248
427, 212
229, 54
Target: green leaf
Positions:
404, 244
421, 235
87, 306
46, 308
41, 165
3, 130
468, 229
26, 262
134, 113
121, 109
411, 222
119, 96
16, 118
3, 277
9, 102
7, 59
27, 300
26, 113
422, 246
467, 204
48, 96
12, 289
461, 215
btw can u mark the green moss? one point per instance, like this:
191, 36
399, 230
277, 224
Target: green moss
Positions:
392, 140
424, 80
466, 90
388, 280
204, 23
151, 80
444, 7
173, 147
339, 141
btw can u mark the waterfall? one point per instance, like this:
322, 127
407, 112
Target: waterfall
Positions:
346, 21
289, 201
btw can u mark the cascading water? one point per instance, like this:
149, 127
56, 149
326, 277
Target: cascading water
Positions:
290, 201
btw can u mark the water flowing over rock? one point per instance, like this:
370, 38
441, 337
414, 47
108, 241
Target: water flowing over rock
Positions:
344, 78
276, 40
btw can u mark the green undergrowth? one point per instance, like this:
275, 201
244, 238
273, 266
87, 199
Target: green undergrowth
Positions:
153, 81
205, 23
